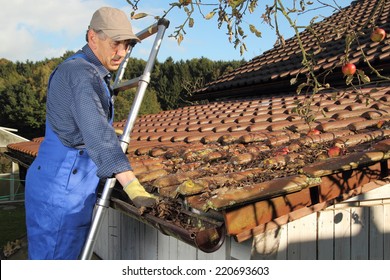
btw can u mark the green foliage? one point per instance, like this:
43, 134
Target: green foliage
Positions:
14, 219
125, 99
23, 95
5, 163
175, 81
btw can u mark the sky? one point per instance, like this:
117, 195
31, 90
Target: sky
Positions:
38, 29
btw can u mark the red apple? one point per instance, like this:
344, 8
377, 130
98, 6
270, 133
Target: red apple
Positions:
334, 151
380, 123
378, 34
185, 2
314, 131
282, 151
348, 69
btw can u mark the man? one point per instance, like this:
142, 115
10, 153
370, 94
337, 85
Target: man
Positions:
80, 145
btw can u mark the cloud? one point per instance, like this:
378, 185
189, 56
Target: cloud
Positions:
38, 29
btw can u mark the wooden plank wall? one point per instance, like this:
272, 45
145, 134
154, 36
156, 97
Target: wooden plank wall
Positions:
124, 238
356, 229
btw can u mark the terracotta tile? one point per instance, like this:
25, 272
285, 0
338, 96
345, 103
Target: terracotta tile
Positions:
381, 105
154, 136
194, 138
170, 128
258, 127
332, 107
339, 184
212, 138
151, 175
179, 137
367, 124
360, 138
278, 117
260, 119
323, 137
295, 126
139, 169
228, 120
248, 217
345, 114
356, 106
223, 198
175, 179
214, 121
181, 128
204, 121
254, 137
342, 163
376, 114
221, 128
339, 124
280, 139
244, 119
383, 146
192, 128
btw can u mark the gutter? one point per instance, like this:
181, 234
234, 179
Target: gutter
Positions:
201, 232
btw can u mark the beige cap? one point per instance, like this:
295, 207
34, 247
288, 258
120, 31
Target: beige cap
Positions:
114, 23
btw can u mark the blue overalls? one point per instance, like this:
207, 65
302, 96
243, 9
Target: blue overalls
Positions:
61, 190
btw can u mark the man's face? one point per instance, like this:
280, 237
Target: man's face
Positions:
109, 52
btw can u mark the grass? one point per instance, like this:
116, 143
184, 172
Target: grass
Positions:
13, 227
12, 222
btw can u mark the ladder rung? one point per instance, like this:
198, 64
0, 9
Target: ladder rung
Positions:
127, 84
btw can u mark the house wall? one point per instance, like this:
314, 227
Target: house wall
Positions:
7, 137
358, 228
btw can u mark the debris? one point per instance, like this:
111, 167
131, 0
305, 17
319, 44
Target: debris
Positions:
12, 247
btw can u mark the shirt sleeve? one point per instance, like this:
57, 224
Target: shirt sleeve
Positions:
90, 108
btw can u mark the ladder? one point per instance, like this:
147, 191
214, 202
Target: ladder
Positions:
141, 83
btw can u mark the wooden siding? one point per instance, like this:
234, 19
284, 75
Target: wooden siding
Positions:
358, 228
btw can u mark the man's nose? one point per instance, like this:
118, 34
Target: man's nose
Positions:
121, 51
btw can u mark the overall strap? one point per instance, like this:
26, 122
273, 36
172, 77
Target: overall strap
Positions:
76, 55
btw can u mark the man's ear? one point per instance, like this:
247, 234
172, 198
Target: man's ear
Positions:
92, 39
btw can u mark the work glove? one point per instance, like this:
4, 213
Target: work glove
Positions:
138, 195
118, 132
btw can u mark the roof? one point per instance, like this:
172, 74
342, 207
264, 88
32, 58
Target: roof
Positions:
326, 40
249, 163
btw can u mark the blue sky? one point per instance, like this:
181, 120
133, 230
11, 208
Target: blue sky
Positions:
39, 29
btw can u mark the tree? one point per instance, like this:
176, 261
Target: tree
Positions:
168, 84
175, 81
124, 100
23, 95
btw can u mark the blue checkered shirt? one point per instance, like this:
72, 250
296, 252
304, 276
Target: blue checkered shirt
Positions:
79, 109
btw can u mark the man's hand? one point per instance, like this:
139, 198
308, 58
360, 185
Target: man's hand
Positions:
138, 195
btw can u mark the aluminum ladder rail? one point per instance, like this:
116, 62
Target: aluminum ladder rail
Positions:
142, 82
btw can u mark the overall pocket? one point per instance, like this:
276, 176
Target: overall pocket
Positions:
83, 171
